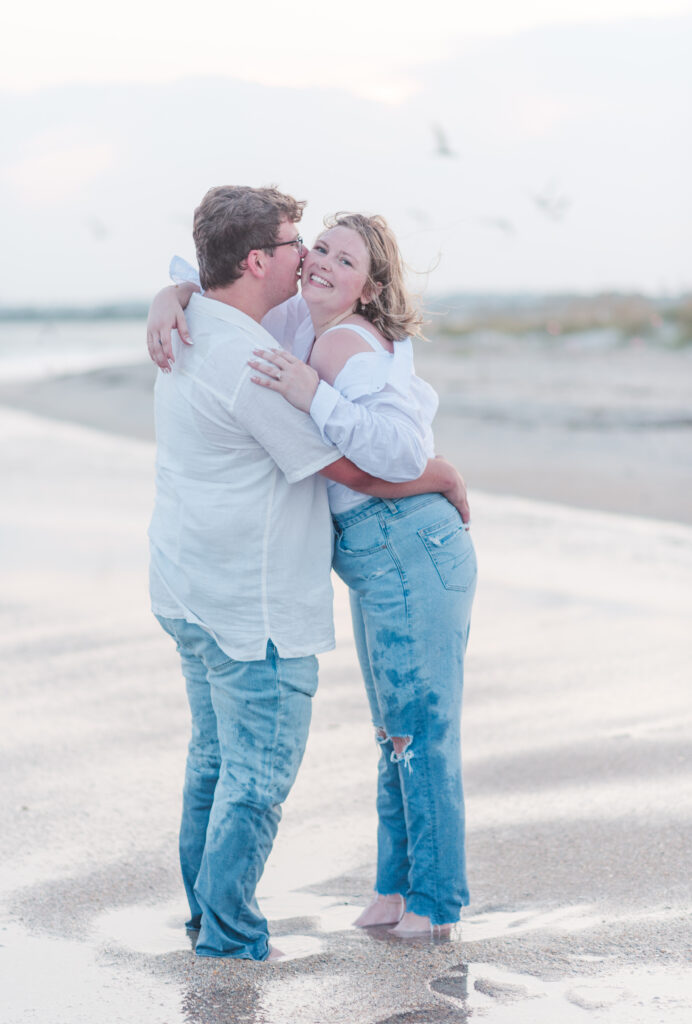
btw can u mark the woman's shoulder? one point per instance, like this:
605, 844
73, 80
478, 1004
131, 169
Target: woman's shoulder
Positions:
367, 330
357, 326
337, 346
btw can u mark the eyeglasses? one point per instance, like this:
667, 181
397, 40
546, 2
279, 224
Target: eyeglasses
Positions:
297, 241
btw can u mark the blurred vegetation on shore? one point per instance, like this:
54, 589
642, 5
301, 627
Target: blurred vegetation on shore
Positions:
627, 317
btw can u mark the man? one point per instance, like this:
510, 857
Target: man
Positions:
240, 561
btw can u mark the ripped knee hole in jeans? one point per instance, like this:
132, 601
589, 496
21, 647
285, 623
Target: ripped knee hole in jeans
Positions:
401, 747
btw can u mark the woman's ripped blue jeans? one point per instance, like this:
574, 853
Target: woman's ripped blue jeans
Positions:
411, 570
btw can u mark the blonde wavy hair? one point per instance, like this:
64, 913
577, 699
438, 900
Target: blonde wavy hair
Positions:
391, 309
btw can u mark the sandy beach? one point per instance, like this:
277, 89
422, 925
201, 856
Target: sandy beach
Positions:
577, 723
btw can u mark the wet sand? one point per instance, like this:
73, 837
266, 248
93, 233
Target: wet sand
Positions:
578, 768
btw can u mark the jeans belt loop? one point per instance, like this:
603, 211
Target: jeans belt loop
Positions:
391, 505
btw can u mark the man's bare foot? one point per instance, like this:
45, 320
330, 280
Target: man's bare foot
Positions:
383, 910
416, 925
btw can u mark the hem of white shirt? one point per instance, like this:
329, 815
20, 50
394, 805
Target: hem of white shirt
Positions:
257, 650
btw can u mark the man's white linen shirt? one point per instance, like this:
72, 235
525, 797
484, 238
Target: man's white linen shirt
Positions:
241, 536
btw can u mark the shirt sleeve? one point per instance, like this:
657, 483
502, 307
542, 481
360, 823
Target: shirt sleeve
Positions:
286, 433
382, 433
180, 271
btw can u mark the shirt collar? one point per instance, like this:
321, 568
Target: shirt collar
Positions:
222, 311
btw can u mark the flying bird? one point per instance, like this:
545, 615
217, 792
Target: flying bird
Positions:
99, 231
551, 203
442, 146
499, 223
420, 216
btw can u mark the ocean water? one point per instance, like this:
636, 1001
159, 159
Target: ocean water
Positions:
34, 350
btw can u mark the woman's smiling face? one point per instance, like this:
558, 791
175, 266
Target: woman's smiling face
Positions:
335, 271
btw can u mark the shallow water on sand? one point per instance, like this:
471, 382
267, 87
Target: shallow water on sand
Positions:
31, 350
124, 973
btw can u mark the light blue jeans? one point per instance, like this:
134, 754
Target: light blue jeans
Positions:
250, 723
411, 570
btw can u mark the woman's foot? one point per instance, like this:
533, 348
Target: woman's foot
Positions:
417, 925
275, 954
383, 910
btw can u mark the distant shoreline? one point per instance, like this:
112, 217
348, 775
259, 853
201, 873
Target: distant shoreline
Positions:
458, 313
52, 314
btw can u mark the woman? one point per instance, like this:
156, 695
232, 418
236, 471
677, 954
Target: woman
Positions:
409, 564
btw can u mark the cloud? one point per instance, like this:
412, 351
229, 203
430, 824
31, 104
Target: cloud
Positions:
55, 170
108, 176
369, 49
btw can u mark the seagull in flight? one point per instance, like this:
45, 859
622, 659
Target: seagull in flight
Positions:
551, 203
442, 146
502, 224
99, 231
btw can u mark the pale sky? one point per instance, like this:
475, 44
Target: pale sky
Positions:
567, 126
369, 48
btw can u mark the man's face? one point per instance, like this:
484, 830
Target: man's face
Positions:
284, 266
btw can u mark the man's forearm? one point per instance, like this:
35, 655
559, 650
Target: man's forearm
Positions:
438, 476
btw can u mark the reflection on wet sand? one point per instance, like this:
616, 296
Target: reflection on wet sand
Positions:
138, 958
72, 981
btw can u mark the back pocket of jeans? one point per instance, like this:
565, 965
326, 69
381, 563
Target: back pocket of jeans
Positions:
451, 551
